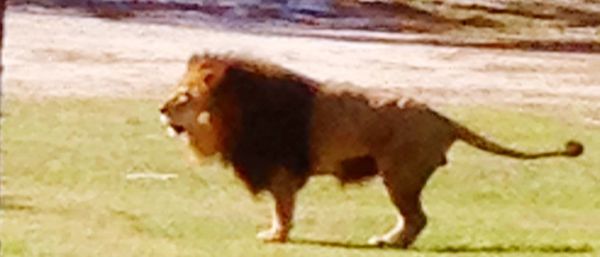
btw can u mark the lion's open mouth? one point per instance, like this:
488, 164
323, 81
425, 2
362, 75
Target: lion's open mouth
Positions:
172, 129
178, 129
175, 131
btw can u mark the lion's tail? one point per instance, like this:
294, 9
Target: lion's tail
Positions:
572, 148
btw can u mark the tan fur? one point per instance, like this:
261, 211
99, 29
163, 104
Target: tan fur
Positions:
351, 136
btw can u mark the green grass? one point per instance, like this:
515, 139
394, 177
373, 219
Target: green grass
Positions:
65, 193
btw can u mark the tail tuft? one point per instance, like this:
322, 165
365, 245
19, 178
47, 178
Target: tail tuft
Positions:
573, 149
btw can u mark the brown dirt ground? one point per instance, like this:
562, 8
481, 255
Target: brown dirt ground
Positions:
57, 56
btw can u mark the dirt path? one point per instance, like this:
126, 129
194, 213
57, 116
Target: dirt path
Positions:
49, 55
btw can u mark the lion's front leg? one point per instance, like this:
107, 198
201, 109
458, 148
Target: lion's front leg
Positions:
283, 211
283, 187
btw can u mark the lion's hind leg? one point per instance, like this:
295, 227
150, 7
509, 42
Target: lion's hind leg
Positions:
404, 185
391, 236
410, 221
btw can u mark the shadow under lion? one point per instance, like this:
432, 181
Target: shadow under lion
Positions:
459, 248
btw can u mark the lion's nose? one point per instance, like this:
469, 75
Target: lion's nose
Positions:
163, 110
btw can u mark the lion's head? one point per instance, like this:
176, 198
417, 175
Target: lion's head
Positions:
187, 113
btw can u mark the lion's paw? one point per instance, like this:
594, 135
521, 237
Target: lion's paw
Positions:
273, 236
382, 241
377, 241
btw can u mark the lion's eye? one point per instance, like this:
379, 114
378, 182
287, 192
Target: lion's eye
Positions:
182, 99
195, 92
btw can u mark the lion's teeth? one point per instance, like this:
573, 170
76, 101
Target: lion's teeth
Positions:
171, 132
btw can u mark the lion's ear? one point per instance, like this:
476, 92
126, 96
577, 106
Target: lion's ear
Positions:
195, 62
214, 73
209, 71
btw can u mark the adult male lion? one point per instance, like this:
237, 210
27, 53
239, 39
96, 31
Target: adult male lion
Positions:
277, 128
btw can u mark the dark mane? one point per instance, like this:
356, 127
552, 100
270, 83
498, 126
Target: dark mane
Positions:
265, 111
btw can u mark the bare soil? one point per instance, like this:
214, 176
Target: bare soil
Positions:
68, 56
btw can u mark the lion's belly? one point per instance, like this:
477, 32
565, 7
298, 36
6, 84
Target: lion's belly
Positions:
330, 146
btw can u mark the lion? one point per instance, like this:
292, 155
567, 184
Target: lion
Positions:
277, 128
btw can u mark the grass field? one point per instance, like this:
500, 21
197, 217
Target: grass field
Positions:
65, 192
